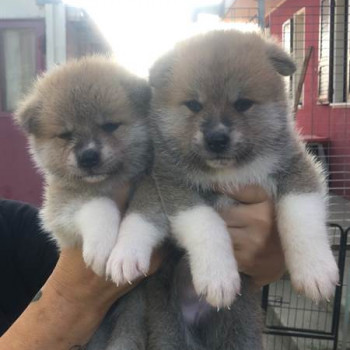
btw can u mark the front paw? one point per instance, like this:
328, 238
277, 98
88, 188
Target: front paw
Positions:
96, 254
316, 277
130, 258
126, 264
219, 284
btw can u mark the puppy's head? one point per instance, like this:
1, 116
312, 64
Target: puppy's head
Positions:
219, 98
86, 120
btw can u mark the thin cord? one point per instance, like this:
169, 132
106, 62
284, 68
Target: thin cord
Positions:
160, 195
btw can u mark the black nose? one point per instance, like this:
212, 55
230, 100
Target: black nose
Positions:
217, 141
88, 158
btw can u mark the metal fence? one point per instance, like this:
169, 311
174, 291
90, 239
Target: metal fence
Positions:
294, 322
316, 34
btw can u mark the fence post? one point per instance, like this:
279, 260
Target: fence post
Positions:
261, 14
347, 308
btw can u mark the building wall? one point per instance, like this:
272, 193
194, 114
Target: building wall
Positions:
312, 118
19, 179
16, 9
246, 10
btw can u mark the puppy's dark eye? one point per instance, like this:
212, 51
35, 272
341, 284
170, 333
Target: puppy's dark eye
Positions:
243, 104
193, 106
110, 127
67, 135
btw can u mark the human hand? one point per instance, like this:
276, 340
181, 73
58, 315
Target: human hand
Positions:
78, 284
256, 242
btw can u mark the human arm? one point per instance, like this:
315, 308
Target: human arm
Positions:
74, 300
72, 304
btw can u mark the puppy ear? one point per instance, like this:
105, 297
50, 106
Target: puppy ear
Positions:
27, 115
281, 60
161, 70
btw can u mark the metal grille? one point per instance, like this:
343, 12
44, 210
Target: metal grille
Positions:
315, 33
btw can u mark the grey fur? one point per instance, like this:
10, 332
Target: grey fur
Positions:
150, 317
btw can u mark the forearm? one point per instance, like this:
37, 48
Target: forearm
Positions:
67, 311
53, 322
71, 305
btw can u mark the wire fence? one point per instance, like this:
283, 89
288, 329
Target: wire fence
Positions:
316, 34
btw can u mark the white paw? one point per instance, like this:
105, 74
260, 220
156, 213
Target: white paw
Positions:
98, 222
96, 254
316, 277
130, 258
126, 264
219, 283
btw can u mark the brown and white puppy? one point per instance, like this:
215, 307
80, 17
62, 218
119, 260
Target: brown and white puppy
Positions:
220, 118
85, 122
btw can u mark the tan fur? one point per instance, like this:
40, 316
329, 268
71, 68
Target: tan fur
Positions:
216, 69
94, 90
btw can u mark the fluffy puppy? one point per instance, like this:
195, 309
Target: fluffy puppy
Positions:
85, 122
220, 118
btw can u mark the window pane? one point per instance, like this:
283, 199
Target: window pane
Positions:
19, 65
324, 53
299, 50
287, 42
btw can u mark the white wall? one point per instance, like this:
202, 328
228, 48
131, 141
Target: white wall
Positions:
15, 9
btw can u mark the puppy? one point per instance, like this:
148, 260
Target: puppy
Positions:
85, 122
220, 119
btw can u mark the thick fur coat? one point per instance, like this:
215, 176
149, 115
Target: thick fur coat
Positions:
87, 131
219, 119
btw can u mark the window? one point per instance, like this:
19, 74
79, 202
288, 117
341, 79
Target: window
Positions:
333, 70
287, 42
20, 61
293, 40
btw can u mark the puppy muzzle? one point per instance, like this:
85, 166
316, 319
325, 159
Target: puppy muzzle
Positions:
88, 159
217, 141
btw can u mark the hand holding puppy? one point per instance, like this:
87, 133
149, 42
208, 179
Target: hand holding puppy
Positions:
254, 233
78, 293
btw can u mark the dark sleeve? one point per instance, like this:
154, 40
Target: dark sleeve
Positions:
27, 258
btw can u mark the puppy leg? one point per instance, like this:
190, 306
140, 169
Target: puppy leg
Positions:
143, 228
237, 329
302, 225
131, 256
202, 232
301, 220
98, 222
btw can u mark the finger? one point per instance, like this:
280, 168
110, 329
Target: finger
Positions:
248, 215
248, 194
236, 216
239, 238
